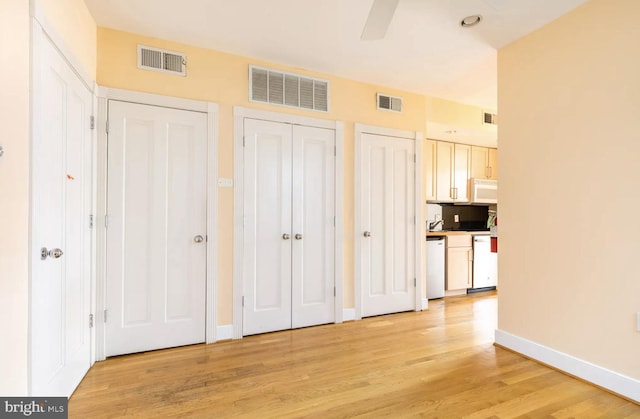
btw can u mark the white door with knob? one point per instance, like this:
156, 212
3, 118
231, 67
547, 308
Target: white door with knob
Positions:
387, 218
289, 232
60, 225
156, 228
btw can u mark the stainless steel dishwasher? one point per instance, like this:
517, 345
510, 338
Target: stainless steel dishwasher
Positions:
435, 267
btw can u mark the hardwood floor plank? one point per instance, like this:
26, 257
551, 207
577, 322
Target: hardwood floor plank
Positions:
439, 363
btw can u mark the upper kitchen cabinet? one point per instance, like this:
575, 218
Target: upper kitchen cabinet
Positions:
484, 163
429, 159
453, 166
462, 173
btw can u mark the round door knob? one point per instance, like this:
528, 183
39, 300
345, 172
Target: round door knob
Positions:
55, 253
198, 239
298, 236
367, 234
285, 236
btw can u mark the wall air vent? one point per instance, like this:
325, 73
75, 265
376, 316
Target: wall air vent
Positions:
490, 118
389, 103
156, 59
288, 89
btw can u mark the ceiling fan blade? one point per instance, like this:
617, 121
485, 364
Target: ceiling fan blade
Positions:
379, 19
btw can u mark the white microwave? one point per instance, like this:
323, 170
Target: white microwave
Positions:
484, 191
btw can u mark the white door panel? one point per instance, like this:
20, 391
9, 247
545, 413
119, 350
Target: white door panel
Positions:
60, 287
288, 230
267, 230
156, 271
313, 216
387, 260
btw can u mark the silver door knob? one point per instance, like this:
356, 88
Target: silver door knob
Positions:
198, 239
367, 234
285, 236
52, 253
298, 236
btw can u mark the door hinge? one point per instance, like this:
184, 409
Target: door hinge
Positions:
334, 291
334, 220
92, 122
243, 139
414, 158
107, 126
335, 151
414, 283
90, 320
243, 301
91, 221
106, 221
105, 316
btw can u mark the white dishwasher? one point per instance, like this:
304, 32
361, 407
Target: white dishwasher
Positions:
485, 263
435, 267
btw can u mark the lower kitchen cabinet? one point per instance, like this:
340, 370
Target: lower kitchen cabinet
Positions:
459, 262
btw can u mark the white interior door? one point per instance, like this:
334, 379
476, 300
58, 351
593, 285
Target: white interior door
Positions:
156, 234
388, 218
313, 277
289, 233
267, 228
61, 187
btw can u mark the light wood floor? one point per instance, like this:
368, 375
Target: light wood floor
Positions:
437, 363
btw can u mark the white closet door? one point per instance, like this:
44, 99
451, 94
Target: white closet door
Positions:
313, 226
388, 256
61, 188
156, 235
267, 227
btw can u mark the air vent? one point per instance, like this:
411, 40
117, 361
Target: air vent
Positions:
490, 118
162, 60
389, 103
288, 89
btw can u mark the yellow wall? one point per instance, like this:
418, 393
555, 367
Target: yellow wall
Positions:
223, 78
456, 114
74, 24
14, 196
569, 98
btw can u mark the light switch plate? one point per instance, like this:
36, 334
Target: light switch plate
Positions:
225, 182
638, 321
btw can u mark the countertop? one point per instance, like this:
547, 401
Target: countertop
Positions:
457, 233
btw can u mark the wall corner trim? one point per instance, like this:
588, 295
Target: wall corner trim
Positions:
618, 383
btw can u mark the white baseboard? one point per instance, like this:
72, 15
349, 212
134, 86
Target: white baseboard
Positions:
610, 380
348, 314
425, 304
224, 332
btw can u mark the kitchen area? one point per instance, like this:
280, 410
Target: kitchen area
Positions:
461, 219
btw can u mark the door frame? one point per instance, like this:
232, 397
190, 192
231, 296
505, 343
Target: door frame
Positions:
239, 114
418, 201
105, 94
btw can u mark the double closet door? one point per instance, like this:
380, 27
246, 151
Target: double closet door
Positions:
289, 231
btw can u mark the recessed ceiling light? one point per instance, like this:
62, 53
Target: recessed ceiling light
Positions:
451, 131
470, 21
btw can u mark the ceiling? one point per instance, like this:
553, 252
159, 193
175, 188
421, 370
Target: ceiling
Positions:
425, 50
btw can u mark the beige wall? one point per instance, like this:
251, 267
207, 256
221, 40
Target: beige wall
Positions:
569, 98
14, 196
73, 23
223, 78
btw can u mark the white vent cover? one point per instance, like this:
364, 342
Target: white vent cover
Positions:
165, 61
288, 89
490, 118
389, 103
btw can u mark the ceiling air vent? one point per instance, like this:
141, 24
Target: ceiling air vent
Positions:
389, 103
288, 89
165, 61
490, 118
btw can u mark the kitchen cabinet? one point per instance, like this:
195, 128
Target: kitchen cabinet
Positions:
453, 166
459, 262
484, 163
429, 158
